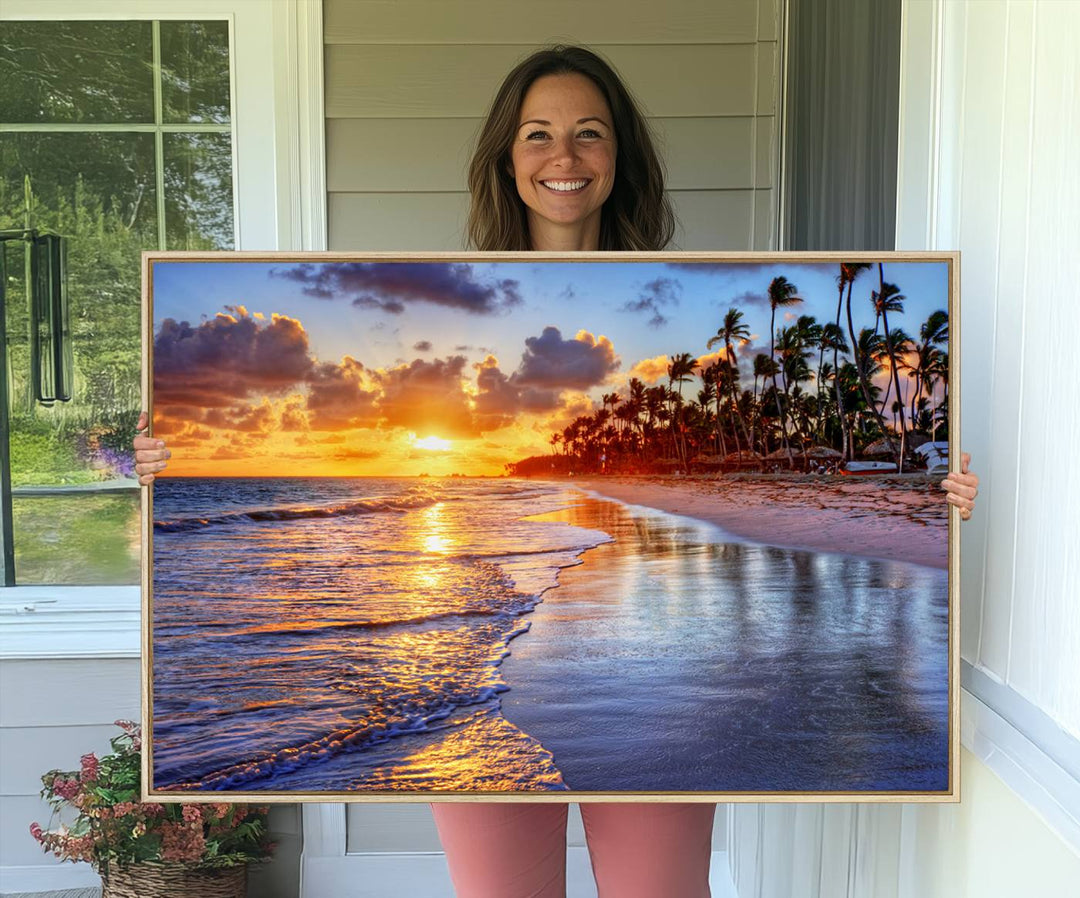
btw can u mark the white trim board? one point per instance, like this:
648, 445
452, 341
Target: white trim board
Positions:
70, 622
1040, 781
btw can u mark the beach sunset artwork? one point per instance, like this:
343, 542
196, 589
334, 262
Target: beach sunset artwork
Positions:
533, 526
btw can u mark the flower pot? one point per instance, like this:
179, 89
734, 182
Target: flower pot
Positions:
168, 880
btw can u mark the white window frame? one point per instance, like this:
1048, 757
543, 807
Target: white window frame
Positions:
279, 196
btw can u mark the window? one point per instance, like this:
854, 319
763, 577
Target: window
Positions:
116, 135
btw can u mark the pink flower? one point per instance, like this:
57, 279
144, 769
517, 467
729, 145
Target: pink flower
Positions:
180, 842
123, 808
36, 832
89, 767
65, 788
191, 813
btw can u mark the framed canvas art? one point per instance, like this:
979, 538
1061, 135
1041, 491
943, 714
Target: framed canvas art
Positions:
547, 527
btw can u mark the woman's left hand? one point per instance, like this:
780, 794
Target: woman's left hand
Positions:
962, 488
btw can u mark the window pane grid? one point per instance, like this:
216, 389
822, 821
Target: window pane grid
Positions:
75, 515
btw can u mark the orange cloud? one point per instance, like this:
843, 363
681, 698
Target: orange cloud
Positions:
337, 398
707, 361
427, 397
651, 371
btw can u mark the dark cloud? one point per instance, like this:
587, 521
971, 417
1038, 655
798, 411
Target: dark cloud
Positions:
254, 419
338, 398
657, 294
294, 418
748, 298
390, 285
422, 346
351, 454
367, 301
769, 270
227, 358
428, 398
500, 397
497, 400
550, 362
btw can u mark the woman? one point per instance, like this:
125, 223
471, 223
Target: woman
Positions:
565, 163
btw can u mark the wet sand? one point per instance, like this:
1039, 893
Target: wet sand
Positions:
900, 518
674, 659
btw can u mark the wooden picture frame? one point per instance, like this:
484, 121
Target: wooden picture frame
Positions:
453, 526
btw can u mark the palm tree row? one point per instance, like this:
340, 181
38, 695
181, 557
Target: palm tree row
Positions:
799, 399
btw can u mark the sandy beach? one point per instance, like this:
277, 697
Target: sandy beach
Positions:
676, 659
895, 518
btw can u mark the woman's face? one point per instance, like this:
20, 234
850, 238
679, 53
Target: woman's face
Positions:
563, 157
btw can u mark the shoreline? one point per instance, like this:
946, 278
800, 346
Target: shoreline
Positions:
895, 520
729, 666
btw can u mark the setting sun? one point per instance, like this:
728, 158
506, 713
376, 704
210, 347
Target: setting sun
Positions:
436, 444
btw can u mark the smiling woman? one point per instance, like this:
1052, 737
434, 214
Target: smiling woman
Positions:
563, 116
563, 160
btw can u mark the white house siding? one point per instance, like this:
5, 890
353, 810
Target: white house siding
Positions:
53, 712
408, 83
990, 122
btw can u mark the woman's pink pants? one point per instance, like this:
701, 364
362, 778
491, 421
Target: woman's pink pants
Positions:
638, 849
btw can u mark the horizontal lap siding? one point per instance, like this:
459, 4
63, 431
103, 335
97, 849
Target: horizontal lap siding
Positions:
432, 154
520, 22
459, 81
53, 712
408, 83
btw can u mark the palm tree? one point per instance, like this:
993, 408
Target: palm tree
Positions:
832, 337
892, 300
925, 372
898, 345
849, 271
680, 370
935, 332
709, 394
731, 330
781, 293
764, 367
841, 282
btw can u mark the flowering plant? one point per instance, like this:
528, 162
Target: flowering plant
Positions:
113, 827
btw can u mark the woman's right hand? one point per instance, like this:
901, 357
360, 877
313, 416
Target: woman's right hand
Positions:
150, 453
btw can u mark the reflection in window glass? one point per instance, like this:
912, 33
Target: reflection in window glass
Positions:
76, 502
83, 539
62, 72
195, 71
97, 190
198, 191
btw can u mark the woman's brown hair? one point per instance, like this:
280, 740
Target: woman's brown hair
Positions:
637, 214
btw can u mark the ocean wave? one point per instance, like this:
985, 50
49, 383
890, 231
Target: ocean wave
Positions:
201, 631
398, 504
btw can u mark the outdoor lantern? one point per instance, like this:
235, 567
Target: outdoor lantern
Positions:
50, 333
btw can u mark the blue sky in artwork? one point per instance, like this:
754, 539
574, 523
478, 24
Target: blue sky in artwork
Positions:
473, 309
